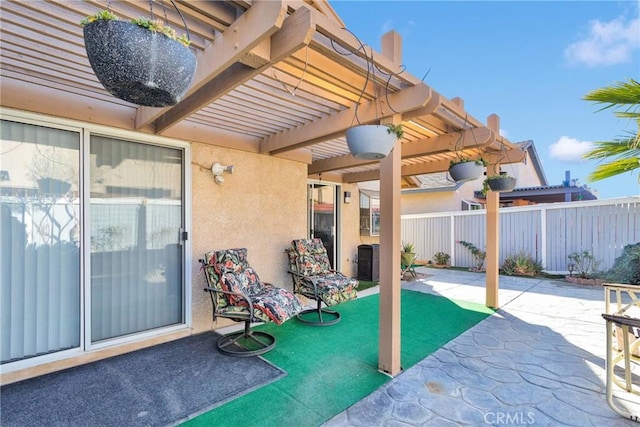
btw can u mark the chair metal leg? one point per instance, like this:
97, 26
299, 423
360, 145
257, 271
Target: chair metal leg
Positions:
320, 316
612, 359
246, 343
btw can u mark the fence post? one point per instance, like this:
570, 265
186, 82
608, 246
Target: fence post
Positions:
543, 236
452, 230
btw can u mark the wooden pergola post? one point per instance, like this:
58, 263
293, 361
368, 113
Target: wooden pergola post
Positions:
390, 177
493, 229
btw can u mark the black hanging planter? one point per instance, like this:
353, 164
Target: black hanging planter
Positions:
138, 65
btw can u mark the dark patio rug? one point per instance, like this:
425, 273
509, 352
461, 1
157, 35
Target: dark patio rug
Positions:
157, 386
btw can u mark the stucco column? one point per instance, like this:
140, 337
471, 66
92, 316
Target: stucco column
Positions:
493, 229
493, 248
390, 238
390, 243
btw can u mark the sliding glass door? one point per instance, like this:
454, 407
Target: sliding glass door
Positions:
136, 251
39, 240
79, 266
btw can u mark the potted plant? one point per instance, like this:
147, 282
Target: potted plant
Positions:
141, 61
466, 169
585, 266
373, 141
499, 183
408, 254
441, 259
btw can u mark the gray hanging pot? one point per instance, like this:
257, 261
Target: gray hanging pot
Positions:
466, 171
370, 141
139, 65
501, 184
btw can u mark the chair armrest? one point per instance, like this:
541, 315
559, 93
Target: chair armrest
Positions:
622, 320
220, 291
305, 278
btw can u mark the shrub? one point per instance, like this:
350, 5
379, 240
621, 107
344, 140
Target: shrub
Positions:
626, 268
441, 258
585, 264
521, 264
478, 255
408, 247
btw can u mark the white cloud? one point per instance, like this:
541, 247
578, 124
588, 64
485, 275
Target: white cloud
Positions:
388, 25
504, 133
569, 149
607, 43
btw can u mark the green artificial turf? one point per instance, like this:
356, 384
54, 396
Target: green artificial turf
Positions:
329, 368
366, 284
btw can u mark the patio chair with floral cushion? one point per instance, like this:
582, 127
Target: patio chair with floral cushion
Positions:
314, 278
237, 293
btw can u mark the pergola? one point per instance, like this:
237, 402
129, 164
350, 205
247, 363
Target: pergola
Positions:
280, 78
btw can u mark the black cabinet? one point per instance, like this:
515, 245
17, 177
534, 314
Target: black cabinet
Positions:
369, 262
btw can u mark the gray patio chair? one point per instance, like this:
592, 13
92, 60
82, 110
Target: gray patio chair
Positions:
237, 293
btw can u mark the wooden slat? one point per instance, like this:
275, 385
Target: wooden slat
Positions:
337, 124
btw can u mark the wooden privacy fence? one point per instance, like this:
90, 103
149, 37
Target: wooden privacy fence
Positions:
547, 232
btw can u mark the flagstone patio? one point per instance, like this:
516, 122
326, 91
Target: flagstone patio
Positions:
539, 360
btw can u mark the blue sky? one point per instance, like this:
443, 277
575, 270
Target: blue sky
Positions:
530, 62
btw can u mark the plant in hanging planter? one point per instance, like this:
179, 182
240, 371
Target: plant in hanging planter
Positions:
142, 61
373, 141
498, 183
466, 169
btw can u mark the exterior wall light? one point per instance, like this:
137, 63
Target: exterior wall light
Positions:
217, 169
347, 197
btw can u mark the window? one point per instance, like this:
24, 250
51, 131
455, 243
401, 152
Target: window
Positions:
471, 206
369, 213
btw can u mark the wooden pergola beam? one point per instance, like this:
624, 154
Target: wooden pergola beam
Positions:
450, 142
513, 155
254, 26
336, 125
472, 138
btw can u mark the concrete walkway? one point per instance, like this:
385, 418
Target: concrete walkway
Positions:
539, 360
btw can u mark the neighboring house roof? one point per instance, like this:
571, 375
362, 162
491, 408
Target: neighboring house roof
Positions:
568, 191
530, 148
434, 182
546, 194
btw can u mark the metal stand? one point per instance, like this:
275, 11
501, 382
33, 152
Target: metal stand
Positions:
246, 343
330, 316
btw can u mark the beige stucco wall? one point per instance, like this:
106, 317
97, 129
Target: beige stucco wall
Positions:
261, 206
439, 201
350, 231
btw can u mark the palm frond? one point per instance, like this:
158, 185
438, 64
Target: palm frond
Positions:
616, 167
622, 148
621, 93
